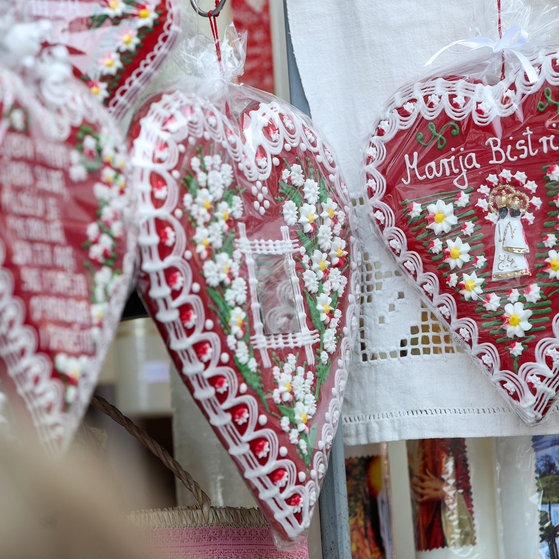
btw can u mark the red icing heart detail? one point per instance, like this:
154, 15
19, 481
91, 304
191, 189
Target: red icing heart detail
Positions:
115, 46
260, 325
464, 188
65, 252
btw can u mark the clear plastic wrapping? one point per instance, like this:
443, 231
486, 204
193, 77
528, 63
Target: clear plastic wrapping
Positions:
249, 268
460, 174
67, 236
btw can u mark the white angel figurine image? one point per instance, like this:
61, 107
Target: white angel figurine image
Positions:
511, 247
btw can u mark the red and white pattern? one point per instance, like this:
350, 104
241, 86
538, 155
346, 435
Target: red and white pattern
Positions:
115, 46
462, 184
66, 250
255, 295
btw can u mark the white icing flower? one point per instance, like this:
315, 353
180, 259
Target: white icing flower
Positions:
237, 292
128, 40
483, 204
237, 322
532, 293
308, 217
338, 250
237, 207
452, 280
311, 281
457, 253
336, 281
241, 353
462, 200
467, 228
516, 349
436, 246
441, 217
329, 209
553, 261
167, 236
289, 212
415, 210
516, 320
320, 263
296, 175
471, 286
491, 302
323, 303
550, 240
513, 295
301, 417
146, 14
109, 64
310, 191
329, 340
324, 236
114, 8
480, 261
553, 172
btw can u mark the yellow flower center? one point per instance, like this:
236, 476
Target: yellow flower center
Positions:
455, 253
469, 285
109, 62
327, 308
143, 13
114, 4
339, 252
322, 265
554, 264
127, 39
205, 242
287, 386
207, 204
514, 320
438, 217
311, 218
304, 417
75, 373
239, 321
226, 268
225, 215
95, 89
331, 213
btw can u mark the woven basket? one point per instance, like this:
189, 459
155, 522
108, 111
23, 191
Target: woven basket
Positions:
201, 531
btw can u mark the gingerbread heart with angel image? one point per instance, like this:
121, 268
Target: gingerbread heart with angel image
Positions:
463, 184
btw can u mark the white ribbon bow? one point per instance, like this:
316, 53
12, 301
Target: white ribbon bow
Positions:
512, 41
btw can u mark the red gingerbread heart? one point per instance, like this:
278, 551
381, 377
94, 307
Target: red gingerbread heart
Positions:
115, 46
247, 266
463, 185
65, 251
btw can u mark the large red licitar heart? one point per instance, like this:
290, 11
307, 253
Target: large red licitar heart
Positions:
115, 46
65, 252
463, 184
248, 267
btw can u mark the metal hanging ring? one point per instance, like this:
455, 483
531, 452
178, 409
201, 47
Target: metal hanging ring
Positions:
213, 13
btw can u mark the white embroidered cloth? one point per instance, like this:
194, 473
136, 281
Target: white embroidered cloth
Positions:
408, 380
